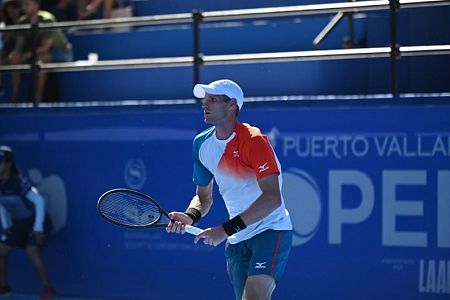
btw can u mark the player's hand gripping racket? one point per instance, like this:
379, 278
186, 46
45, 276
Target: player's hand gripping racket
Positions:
132, 209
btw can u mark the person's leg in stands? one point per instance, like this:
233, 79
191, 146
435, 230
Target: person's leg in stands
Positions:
42, 77
15, 58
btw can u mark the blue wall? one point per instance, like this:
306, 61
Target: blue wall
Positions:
366, 185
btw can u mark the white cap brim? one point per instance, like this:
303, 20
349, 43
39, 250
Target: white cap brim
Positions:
201, 89
220, 87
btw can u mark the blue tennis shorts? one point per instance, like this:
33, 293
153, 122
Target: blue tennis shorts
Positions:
21, 230
265, 253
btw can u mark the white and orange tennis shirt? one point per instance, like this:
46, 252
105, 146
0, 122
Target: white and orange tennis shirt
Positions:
236, 164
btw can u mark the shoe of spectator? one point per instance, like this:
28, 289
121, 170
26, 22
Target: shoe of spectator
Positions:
47, 294
5, 291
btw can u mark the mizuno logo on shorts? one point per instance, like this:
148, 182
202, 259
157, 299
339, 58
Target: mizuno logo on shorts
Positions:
260, 265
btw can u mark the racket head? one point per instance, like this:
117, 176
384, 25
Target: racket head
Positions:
131, 209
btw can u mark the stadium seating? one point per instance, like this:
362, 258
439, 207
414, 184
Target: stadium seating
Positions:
362, 76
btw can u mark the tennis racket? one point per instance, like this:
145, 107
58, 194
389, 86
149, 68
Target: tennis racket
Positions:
133, 209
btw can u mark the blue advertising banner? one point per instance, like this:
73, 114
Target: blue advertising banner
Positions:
368, 190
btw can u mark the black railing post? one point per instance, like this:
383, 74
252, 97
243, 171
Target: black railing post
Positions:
351, 29
395, 49
197, 18
34, 62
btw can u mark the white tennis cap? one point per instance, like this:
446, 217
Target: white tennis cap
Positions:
225, 87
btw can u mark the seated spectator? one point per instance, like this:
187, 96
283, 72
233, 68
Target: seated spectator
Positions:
94, 9
11, 11
52, 46
63, 10
104, 9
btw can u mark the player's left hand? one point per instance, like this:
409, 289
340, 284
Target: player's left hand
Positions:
212, 236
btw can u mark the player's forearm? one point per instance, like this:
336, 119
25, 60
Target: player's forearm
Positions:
5, 218
261, 208
39, 204
201, 203
203, 199
267, 202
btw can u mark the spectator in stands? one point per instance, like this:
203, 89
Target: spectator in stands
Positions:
52, 46
94, 9
98, 9
24, 222
63, 10
11, 12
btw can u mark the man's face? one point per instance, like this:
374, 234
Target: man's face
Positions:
30, 7
13, 12
216, 108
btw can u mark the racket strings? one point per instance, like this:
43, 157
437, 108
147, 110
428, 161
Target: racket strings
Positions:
129, 209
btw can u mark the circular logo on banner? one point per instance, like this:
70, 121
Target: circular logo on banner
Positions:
135, 173
303, 201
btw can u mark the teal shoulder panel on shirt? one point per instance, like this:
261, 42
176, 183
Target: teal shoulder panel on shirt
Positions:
202, 176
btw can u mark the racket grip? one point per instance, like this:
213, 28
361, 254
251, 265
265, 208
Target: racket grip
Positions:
192, 230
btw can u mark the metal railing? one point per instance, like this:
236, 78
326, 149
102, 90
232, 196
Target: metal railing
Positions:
197, 60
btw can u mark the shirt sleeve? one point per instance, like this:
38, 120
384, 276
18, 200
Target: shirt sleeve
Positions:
5, 218
262, 157
23, 187
39, 204
202, 176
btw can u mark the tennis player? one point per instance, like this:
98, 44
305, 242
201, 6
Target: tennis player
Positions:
243, 164
24, 222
